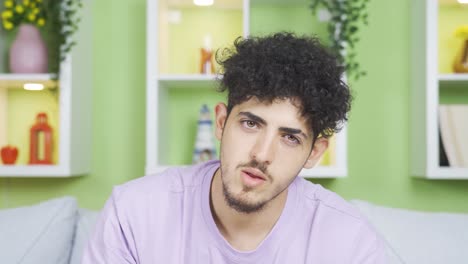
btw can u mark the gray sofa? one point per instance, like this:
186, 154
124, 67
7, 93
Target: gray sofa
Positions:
419, 237
52, 232
56, 231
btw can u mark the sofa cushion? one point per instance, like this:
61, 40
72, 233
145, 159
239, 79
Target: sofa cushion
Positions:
420, 237
41, 233
85, 225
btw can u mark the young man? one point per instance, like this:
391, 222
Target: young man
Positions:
285, 98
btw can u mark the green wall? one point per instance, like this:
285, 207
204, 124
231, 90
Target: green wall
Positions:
265, 19
378, 129
118, 107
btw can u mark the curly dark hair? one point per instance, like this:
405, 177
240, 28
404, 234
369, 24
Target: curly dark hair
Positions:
283, 66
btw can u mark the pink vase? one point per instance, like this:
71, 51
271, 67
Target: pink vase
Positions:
28, 53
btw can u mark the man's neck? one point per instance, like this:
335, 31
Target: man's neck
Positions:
243, 231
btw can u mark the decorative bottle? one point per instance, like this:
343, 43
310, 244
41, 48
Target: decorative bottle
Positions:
206, 61
205, 148
41, 126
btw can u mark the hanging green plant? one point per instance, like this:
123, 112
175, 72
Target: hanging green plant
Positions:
345, 18
63, 16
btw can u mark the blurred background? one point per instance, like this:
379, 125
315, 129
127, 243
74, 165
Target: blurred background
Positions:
379, 134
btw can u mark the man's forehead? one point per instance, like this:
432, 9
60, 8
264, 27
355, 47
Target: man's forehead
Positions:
254, 101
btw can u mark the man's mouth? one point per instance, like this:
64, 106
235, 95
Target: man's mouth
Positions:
253, 177
254, 173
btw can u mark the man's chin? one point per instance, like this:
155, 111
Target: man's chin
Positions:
242, 205
240, 202
246, 208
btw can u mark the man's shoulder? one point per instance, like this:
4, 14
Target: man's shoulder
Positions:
340, 221
171, 180
316, 195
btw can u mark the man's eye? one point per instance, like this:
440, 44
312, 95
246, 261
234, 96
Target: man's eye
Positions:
249, 123
292, 139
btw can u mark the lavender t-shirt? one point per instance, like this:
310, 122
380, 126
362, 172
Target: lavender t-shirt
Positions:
166, 218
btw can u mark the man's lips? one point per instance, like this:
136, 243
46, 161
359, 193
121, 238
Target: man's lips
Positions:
255, 173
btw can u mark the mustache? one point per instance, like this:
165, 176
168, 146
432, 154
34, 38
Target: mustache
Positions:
255, 164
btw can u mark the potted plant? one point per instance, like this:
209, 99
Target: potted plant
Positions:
58, 20
28, 52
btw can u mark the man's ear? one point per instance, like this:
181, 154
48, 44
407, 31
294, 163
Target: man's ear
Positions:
321, 144
220, 119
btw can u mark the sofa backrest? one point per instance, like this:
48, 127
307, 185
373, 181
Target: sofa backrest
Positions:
41, 233
420, 237
86, 220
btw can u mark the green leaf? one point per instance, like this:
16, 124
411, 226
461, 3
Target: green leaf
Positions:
346, 17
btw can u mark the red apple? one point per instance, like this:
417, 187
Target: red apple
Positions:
9, 154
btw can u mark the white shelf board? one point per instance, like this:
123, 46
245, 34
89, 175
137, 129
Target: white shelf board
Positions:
458, 77
448, 173
13, 80
218, 4
188, 80
317, 172
29, 171
324, 172
27, 76
187, 77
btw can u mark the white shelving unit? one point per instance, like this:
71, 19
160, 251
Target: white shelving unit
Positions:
426, 85
453, 78
159, 85
12, 80
187, 80
74, 104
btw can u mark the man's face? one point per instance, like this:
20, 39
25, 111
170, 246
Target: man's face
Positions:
263, 148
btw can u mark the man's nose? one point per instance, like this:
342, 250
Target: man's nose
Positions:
264, 149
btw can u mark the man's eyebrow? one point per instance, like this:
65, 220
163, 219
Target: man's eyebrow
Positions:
293, 131
253, 117
261, 121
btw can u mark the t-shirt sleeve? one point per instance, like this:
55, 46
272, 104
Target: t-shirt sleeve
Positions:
370, 248
108, 243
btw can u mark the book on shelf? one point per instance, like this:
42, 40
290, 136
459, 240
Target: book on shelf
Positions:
453, 122
443, 160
